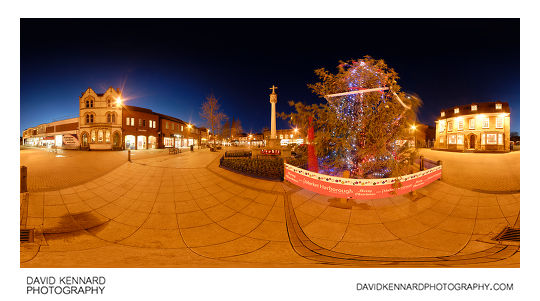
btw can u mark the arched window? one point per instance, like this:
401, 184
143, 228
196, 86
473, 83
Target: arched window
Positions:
108, 102
100, 136
91, 103
107, 136
91, 118
87, 103
87, 118
85, 139
108, 117
113, 117
93, 136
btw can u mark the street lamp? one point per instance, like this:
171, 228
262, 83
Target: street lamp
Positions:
119, 101
413, 127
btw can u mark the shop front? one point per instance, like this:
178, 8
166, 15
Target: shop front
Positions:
141, 142
130, 142
152, 142
168, 142
48, 141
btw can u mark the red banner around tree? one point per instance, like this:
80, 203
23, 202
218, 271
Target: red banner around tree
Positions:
359, 188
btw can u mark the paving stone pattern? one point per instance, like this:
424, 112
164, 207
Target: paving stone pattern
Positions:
185, 211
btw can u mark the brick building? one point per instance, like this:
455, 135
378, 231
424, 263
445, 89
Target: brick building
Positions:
105, 123
475, 127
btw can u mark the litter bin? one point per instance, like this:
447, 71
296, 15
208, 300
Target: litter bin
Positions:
191, 147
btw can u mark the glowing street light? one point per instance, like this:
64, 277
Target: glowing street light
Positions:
119, 101
189, 125
413, 127
296, 130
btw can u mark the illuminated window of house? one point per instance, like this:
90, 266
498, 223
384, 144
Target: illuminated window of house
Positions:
442, 114
460, 139
441, 140
474, 107
132, 121
485, 123
456, 110
280, 136
166, 125
460, 125
127, 120
107, 136
483, 139
499, 123
501, 142
182, 128
100, 136
498, 106
472, 124
450, 126
93, 136
451, 139
441, 126
491, 138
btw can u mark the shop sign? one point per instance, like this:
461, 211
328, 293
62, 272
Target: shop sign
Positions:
273, 152
360, 188
70, 140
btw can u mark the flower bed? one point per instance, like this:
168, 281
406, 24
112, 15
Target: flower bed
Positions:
271, 169
237, 154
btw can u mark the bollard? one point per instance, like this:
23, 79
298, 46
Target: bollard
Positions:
129, 155
421, 162
24, 174
439, 163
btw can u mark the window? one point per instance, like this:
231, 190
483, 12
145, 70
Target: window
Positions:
87, 103
140, 122
442, 114
460, 139
485, 123
108, 102
100, 136
108, 136
113, 118
491, 138
456, 110
87, 118
474, 107
441, 140
182, 128
91, 103
168, 142
501, 141
472, 124
166, 125
280, 136
441, 126
499, 123
127, 120
177, 127
498, 106
460, 125
483, 139
132, 121
452, 139
450, 126
108, 118
144, 122
93, 136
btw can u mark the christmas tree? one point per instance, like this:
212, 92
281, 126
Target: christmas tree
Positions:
365, 124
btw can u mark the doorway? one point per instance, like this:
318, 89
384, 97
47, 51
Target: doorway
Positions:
472, 141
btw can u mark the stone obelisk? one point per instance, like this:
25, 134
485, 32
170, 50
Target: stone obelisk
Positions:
273, 142
273, 101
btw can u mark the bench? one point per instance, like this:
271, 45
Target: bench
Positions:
174, 151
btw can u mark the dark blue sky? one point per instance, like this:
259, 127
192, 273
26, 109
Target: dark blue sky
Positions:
171, 65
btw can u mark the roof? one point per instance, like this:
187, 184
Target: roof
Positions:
138, 109
482, 107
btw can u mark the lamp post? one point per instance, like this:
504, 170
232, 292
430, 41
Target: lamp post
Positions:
413, 128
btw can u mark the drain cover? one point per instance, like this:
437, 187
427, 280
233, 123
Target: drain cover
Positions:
27, 235
508, 234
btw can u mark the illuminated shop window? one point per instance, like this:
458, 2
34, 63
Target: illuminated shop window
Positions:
456, 110
485, 123
108, 136
498, 106
460, 125
450, 126
452, 139
460, 139
100, 136
472, 124
441, 140
491, 138
93, 136
501, 141
499, 123
474, 107
280, 136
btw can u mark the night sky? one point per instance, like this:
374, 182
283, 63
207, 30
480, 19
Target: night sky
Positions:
171, 65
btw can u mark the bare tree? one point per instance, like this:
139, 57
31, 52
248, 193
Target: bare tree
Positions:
213, 116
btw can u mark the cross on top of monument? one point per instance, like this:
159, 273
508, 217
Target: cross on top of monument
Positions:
273, 88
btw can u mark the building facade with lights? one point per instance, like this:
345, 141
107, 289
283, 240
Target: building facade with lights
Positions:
286, 136
105, 123
475, 127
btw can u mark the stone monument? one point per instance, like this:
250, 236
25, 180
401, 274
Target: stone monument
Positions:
273, 142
